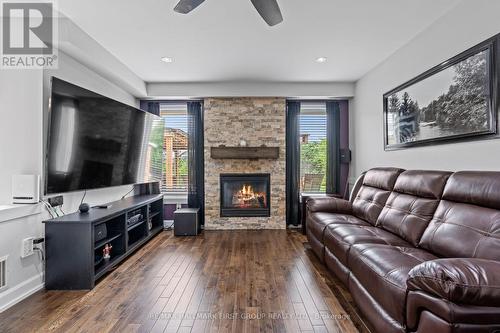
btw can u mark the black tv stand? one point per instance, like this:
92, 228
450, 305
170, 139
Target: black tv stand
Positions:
74, 258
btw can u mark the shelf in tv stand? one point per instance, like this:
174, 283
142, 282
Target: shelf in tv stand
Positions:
106, 241
133, 226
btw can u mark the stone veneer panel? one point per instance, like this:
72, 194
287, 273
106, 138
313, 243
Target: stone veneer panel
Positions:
258, 121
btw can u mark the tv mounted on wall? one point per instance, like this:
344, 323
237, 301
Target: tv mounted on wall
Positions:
95, 142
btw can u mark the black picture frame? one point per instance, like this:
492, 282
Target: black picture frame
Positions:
491, 46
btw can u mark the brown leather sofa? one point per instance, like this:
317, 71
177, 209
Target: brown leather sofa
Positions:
418, 250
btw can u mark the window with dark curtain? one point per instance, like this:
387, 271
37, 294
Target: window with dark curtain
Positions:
175, 143
183, 166
313, 147
317, 139
175, 147
320, 131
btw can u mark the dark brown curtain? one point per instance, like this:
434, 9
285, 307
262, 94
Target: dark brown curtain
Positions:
333, 150
151, 107
196, 160
338, 155
292, 162
345, 153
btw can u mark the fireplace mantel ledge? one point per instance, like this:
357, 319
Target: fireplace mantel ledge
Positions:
249, 153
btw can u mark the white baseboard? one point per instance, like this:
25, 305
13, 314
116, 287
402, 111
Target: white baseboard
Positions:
23, 290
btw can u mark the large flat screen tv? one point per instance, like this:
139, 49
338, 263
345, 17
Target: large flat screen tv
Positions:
94, 142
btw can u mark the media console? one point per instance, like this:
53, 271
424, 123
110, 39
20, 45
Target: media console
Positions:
75, 242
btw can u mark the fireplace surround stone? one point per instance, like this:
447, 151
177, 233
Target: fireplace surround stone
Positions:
260, 122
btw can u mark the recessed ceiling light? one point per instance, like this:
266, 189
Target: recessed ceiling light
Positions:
321, 60
167, 59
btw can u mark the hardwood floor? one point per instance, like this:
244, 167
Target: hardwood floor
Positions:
222, 281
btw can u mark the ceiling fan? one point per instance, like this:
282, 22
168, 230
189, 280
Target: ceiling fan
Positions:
269, 10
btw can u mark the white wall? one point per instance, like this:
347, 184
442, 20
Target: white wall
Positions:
23, 98
466, 25
20, 129
76, 42
181, 90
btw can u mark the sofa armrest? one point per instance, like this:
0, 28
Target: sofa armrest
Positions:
468, 281
329, 204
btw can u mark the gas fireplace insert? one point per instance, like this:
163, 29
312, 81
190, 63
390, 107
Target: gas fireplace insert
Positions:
245, 194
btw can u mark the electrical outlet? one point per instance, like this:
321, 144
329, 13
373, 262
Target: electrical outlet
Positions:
56, 201
27, 247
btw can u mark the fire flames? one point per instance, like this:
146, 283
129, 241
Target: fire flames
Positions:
246, 197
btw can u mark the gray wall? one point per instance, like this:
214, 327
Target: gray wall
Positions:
469, 23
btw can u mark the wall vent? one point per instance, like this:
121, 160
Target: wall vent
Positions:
3, 273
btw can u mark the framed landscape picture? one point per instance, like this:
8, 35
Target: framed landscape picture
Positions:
452, 101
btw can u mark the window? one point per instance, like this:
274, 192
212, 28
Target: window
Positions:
313, 147
175, 147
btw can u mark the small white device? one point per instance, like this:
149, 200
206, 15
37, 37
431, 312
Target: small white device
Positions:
25, 189
27, 247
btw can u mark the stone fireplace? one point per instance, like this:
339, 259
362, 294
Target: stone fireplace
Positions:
245, 203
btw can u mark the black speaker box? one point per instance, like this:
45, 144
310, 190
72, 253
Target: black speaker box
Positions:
345, 156
186, 222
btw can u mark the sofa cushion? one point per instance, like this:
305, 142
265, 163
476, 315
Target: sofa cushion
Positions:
466, 223
407, 216
412, 203
318, 221
383, 270
382, 178
339, 238
422, 183
371, 197
480, 188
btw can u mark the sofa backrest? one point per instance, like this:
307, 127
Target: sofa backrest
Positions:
412, 203
356, 187
466, 223
372, 195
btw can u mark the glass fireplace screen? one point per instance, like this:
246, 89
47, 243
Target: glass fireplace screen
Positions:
245, 194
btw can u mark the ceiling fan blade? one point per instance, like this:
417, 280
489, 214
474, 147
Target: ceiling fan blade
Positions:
269, 10
185, 6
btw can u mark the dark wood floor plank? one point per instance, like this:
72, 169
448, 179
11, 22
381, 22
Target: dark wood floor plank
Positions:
221, 281
302, 317
178, 308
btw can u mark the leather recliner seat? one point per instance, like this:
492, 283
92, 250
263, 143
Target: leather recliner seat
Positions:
418, 250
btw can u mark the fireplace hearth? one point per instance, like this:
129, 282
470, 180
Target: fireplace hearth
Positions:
246, 194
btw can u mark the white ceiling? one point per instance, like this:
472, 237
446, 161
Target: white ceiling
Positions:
226, 40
